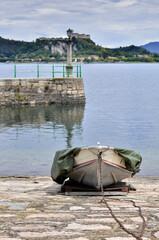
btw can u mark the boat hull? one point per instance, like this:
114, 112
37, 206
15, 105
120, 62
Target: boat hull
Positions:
87, 170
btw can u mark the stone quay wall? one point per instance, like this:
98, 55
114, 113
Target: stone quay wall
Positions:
31, 91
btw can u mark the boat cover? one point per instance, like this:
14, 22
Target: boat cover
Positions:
63, 162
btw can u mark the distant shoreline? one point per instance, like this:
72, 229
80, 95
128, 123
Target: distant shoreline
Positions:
102, 62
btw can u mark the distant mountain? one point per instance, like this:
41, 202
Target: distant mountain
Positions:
152, 47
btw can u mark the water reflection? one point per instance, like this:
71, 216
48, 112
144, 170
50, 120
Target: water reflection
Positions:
38, 116
30, 136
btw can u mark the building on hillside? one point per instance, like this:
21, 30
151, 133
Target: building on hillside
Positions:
79, 59
95, 57
83, 36
109, 57
145, 55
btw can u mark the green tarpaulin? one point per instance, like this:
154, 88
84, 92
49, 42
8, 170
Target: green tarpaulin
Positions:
132, 159
63, 162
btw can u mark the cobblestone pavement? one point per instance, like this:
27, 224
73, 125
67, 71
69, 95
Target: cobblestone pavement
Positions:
32, 208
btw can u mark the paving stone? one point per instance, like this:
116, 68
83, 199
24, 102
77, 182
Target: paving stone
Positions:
97, 220
101, 215
7, 216
14, 205
125, 238
6, 238
120, 238
81, 238
31, 227
157, 235
137, 219
157, 215
81, 227
38, 211
50, 215
74, 208
46, 234
98, 208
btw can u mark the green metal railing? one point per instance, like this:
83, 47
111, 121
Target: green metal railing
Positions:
65, 70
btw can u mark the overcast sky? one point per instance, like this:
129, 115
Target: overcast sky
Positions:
111, 23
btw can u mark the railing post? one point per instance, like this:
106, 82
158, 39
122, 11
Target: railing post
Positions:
37, 70
80, 71
53, 73
15, 73
77, 70
63, 71
68, 70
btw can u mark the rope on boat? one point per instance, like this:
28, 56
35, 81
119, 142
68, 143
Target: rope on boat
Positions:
103, 200
96, 154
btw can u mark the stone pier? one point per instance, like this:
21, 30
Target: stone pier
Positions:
33, 208
32, 91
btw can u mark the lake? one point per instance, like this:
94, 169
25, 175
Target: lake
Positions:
121, 110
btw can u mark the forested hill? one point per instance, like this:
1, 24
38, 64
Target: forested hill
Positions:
54, 49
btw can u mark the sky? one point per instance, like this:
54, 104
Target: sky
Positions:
111, 23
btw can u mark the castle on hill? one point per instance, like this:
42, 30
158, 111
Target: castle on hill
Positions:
76, 35
83, 36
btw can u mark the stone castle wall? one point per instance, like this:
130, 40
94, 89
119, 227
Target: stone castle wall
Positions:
41, 91
83, 36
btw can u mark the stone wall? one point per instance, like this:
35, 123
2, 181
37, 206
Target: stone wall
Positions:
41, 91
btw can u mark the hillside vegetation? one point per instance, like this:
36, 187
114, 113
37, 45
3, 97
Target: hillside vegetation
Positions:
55, 49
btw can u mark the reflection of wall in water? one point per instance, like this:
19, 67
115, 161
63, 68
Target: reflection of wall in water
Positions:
66, 115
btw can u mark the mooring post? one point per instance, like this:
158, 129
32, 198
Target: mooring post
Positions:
37, 70
53, 72
63, 71
80, 72
15, 74
77, 70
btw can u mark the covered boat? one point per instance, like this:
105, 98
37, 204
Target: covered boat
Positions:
90, 165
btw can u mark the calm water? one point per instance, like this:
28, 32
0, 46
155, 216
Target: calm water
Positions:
121, 110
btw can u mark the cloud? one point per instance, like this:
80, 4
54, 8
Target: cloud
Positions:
109, 22
48, 11
125, 3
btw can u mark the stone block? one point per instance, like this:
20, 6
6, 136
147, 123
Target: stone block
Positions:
81, 92
74, 93
53, 86
59, 87
69, 92
74, 87
78, 86
64, 87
